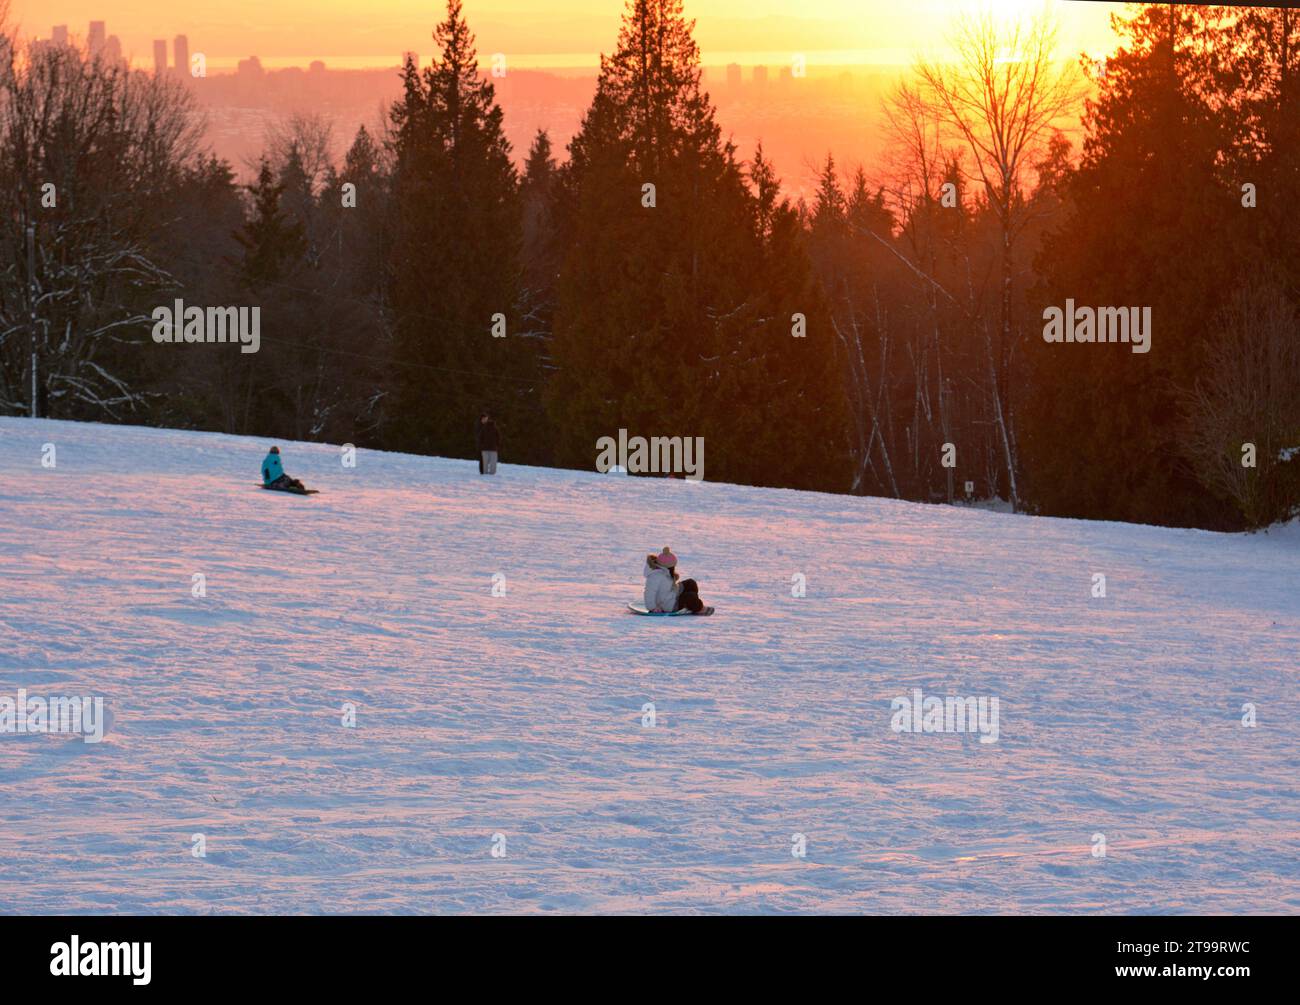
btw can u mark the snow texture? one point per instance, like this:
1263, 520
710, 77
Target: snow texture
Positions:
522, 715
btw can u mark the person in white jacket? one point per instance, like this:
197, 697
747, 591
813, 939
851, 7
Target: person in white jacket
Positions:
661, 582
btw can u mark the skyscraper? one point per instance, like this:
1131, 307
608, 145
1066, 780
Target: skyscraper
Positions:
159, 57
733, 76
60, 34
181, 47
95, 41
113, 49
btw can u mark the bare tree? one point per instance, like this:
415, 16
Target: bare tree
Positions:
870, 406
88, 151
311, 136
919, 161
1002, 97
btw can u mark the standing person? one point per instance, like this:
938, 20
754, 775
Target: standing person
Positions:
488, 439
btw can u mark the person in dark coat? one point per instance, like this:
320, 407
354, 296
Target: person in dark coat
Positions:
688, 590
688, 598
488, 439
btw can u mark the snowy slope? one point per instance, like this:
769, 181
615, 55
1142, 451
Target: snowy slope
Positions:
522, 715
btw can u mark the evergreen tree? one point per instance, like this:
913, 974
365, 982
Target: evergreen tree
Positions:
1264, 75
539, 169
348, 324
540, 255
830, 208
664, 326
454, 259
766, 188
1102, 427
273, 253
204, 387
273, 244
798, 379
298, 200
354, 227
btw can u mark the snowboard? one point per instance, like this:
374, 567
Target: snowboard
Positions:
292, 492
642, 610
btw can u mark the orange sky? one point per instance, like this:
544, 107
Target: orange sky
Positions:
542, 32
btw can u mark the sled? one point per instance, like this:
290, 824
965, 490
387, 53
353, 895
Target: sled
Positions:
292, 492
643, 610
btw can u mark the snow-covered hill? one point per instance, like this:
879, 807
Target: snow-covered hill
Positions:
523, 715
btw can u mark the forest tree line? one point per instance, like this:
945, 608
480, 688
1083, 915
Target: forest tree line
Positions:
882, 337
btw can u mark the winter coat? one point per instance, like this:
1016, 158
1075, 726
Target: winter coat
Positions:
688, 596
660, 590
487, 436
271, 469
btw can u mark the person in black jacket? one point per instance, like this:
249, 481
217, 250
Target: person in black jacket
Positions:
688, 598
488, 439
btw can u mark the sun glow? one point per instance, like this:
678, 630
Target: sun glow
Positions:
559, 32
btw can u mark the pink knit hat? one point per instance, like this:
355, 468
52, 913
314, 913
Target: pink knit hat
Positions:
667, 559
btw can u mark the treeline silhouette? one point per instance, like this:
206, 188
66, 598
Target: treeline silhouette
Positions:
885, 337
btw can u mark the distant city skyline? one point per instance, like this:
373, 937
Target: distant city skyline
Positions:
567, 34
99, 43
736, 73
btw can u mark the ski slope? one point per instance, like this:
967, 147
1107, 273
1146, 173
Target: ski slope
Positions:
522, 715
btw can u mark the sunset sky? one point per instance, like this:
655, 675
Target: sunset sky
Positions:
542, 32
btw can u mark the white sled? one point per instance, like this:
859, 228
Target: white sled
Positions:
642, 609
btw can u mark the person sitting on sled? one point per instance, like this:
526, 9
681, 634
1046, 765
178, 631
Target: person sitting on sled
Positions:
661, 582
666, 592
273, 476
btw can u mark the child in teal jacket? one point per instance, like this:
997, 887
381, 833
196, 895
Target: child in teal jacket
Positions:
273, 476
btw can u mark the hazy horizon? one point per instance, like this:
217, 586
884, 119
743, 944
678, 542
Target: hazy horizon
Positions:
569, 35
852, 50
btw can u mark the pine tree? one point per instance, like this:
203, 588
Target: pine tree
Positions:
353, 227
1101, 430
454, 259
801, 383
298, 200
830, 207
663, 326
540, 254
539, 169
349, 321
1265, 112
767, 190
273, 244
